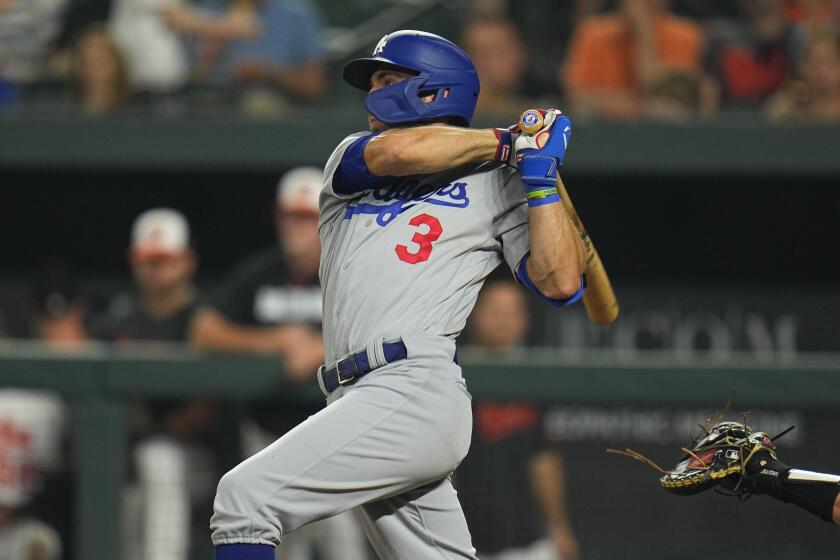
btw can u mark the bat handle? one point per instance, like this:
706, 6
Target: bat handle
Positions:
531, 121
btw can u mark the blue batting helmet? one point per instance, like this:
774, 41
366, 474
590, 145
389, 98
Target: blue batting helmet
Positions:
438, 66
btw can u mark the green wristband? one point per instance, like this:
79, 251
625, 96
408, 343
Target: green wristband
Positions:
542, 193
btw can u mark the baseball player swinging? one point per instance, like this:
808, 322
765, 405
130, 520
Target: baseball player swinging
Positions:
413, 217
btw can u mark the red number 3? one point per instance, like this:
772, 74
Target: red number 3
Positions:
424, 240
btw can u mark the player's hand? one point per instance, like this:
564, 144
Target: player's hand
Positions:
538, 156
565, 543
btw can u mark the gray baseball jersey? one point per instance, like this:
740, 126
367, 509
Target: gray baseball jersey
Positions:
404, 262
412, 258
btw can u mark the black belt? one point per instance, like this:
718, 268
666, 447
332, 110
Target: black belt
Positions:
352, 367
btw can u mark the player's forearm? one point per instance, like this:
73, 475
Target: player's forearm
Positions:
836, 514
557, 255
428, 149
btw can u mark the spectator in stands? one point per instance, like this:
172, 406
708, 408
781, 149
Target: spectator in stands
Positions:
100, 75
271, 303
500, 57
58, 311
544, 28
616, 61
151, 33
27, 29
174, 467
815, 14
31, 429
163, 265
287, 56
512, 484
748, 60
816, 95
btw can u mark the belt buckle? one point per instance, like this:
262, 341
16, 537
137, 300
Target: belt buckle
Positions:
352, 359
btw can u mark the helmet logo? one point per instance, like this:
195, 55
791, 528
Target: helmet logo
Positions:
380, 46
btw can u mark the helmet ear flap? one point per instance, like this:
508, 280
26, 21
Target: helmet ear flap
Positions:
398, 103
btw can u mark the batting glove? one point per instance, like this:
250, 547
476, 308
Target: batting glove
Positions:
540, 155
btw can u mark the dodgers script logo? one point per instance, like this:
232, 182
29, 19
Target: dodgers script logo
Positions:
452, 195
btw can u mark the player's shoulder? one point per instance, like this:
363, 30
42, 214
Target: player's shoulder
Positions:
349, 139
337, 153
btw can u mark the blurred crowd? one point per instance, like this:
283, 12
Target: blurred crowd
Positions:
608, 59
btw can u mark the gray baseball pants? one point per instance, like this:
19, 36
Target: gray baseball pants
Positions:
385, 445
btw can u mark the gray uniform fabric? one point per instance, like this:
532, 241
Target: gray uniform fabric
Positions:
369, 292
388, 443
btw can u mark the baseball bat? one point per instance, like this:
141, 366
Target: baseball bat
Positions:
599, 297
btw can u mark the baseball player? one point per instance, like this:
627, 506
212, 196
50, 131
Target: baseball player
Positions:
413, 217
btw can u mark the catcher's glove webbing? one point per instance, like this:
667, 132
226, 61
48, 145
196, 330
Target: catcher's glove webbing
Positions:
720, 457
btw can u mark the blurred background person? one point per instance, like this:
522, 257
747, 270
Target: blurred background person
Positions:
748, 59
99, 73
816, 94
58, 311
284, 61
34, 479
174, 466
152, 34
31, 433
512, 484
814, 14
615, 61
163, 266
271, 303
27, 30
499, 55
32, 429
544, 28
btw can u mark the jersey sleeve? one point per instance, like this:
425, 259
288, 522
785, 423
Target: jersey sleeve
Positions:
352, 174
346, 175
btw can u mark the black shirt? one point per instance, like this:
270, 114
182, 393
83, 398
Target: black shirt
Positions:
126, 320
262, 292
494, 482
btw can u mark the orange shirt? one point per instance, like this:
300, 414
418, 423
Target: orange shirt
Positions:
601, 53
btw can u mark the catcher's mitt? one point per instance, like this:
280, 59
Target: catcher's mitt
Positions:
723, 457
